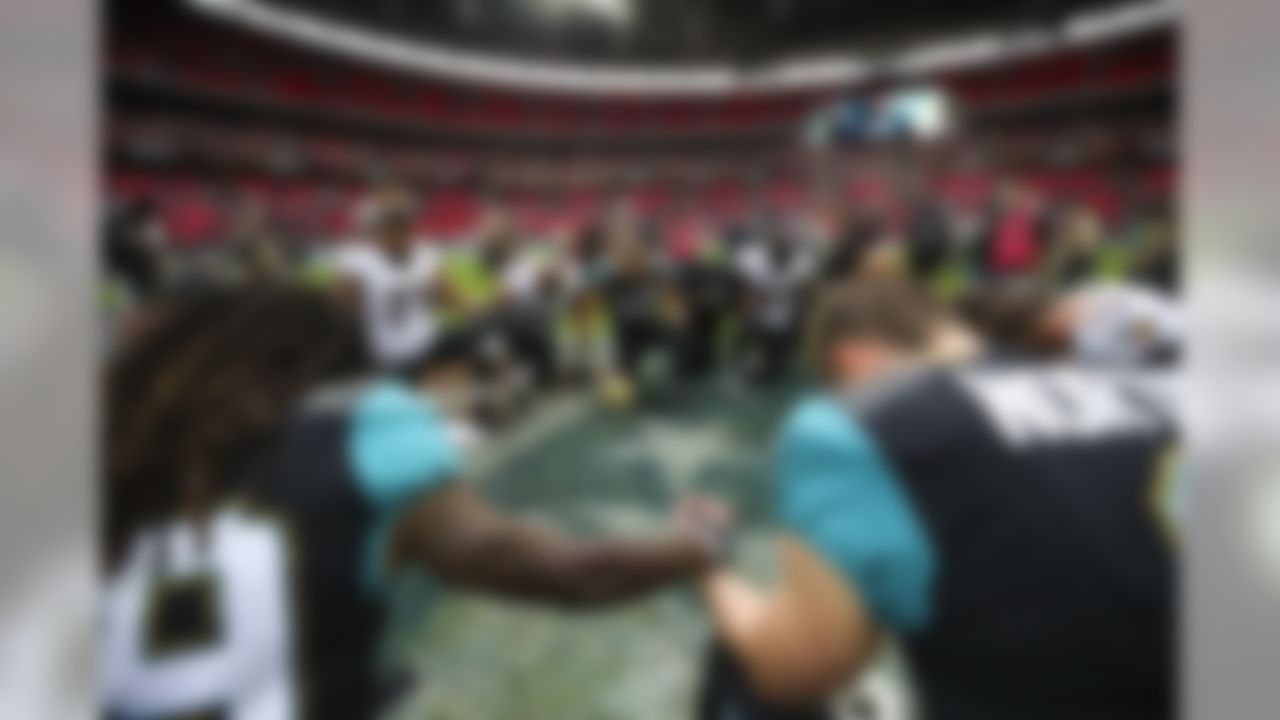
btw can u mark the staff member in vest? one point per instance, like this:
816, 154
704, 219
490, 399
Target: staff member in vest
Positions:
1003, 521
396, 282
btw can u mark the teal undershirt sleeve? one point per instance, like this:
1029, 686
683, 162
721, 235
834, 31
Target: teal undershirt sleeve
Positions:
837, 493
400, 451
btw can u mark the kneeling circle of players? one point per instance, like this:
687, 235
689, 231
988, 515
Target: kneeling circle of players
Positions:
1005, 521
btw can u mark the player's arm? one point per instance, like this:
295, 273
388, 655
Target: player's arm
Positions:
458, 536
800, 640
854, 559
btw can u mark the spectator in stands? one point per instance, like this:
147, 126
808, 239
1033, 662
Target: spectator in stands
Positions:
1013, 242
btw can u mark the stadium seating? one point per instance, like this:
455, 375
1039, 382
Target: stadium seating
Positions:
307, 166
237, 65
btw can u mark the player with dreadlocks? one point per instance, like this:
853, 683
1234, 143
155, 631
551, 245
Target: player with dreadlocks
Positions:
260, 489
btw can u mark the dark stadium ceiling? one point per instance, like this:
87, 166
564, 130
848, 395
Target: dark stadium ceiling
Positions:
683, 31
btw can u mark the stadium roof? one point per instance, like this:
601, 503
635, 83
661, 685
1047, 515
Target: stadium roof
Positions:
689, 47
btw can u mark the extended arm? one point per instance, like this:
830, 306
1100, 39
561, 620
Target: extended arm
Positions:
854, 559
461, 538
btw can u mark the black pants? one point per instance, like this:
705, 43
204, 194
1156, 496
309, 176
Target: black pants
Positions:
453, 347
523, 340
637, 339
529, 342
699, 345
727, 695
768, 351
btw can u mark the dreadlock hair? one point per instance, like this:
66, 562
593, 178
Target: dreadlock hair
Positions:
207, 388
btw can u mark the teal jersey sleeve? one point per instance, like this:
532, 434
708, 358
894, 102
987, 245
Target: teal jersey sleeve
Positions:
400, 446
840, 496
400, 450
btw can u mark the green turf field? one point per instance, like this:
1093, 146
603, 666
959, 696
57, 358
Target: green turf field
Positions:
596, 471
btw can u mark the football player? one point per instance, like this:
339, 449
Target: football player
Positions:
1114, 323
1008, 522
259, 493
396, 282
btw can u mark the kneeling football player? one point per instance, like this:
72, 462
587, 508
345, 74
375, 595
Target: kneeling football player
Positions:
1004, 521
259, 490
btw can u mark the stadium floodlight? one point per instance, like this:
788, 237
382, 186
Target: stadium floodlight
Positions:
923, 113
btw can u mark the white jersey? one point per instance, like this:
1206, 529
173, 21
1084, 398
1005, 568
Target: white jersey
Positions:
247, 672
521, 279
400, 325
522, 282
778, 284
1125, 325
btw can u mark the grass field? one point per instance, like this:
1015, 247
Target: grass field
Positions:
595, 471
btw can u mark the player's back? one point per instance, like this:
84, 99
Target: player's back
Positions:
268, 608
1040, 490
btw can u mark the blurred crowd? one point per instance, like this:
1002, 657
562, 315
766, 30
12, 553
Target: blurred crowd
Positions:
636, 307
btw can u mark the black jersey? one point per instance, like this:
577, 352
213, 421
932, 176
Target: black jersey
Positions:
1041, 491
270, 609
709, 288
1010, 523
